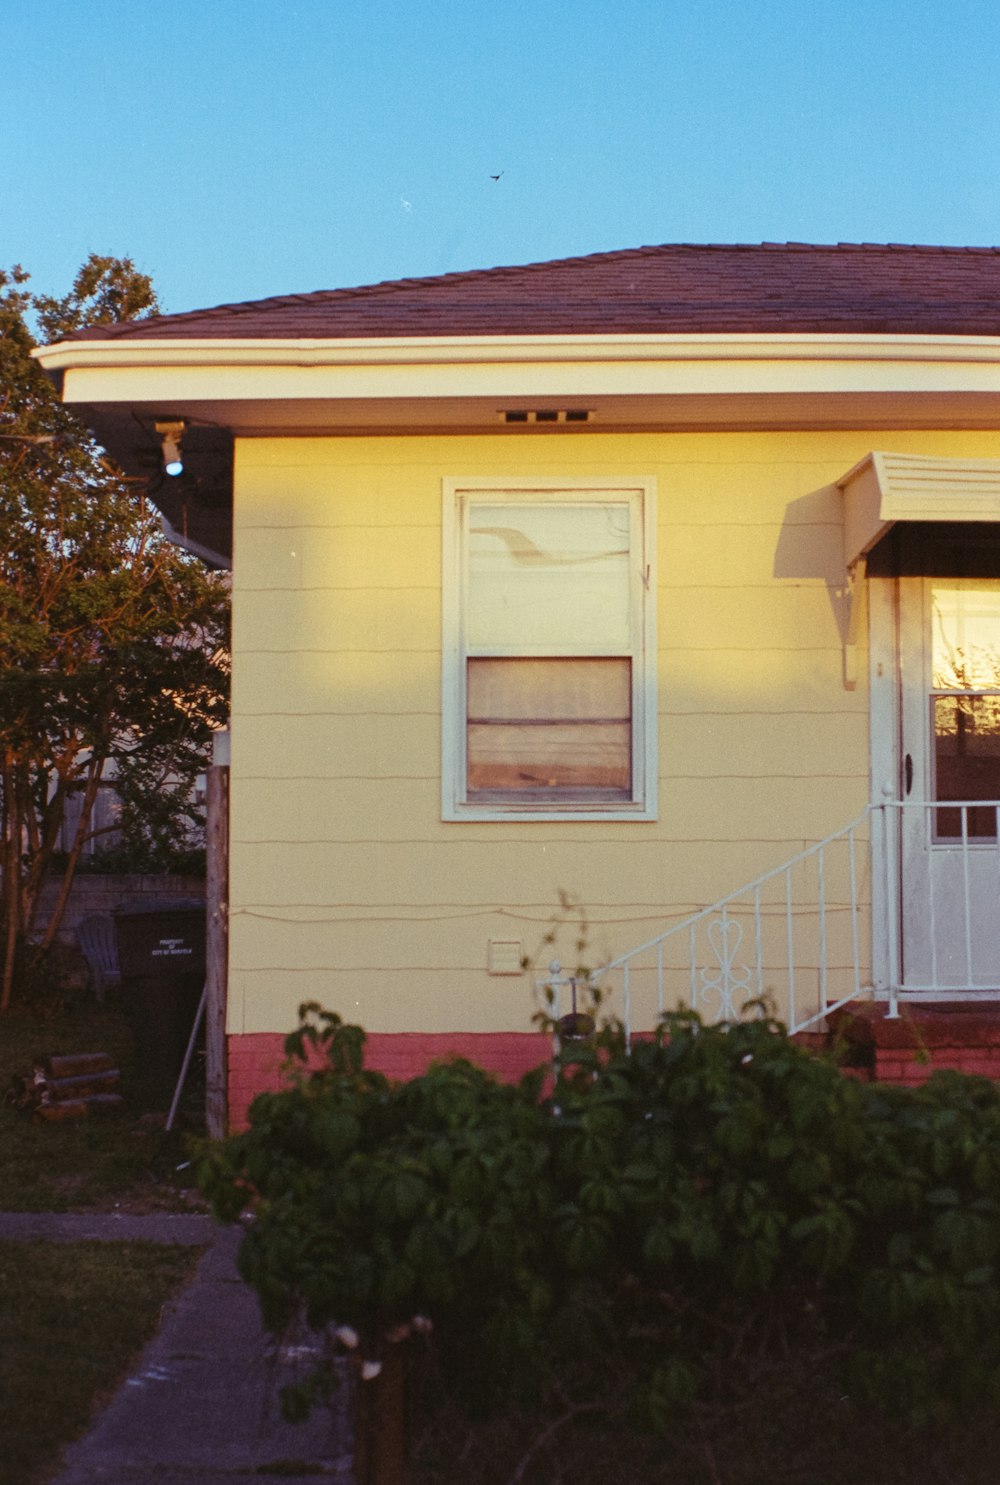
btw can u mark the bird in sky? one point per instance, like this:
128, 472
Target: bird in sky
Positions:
496, 177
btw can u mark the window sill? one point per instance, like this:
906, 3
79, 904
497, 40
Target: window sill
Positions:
494, 814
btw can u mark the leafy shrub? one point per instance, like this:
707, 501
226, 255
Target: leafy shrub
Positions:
710, 1213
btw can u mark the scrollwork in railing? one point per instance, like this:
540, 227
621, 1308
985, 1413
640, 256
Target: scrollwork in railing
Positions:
729, 979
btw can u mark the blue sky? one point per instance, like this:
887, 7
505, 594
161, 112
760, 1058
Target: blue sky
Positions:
241, 148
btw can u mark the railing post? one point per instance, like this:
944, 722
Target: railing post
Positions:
967, 891
927, 833
758, 933
855, 950
790, 947
554, 985
821, 890
890, 861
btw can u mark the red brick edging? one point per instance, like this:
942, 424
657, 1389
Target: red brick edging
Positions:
904, 1051
255, 1060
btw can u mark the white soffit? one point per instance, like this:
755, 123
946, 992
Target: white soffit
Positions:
885, 488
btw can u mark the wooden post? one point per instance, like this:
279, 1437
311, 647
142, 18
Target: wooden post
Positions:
380, 1420
216, 943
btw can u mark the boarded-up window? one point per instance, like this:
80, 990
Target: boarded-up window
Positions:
552, 667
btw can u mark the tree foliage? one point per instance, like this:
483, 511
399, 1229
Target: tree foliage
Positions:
113, 644
687, 1234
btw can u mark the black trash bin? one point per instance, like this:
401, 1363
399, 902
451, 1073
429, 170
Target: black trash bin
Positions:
161, 955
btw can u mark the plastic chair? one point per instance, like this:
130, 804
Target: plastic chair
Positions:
98, 942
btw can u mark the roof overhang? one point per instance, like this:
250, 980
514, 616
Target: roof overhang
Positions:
261, 388
311, 383
885, 488
251, 388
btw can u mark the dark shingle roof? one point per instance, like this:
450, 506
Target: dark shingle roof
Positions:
675, 289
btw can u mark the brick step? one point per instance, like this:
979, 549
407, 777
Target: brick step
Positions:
960, 1035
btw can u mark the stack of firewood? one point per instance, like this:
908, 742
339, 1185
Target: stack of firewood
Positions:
67, 1087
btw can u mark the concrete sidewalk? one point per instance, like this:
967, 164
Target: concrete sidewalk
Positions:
187, 1230
201, 1404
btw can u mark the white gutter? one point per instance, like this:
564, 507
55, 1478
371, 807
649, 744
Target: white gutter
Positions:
438, 350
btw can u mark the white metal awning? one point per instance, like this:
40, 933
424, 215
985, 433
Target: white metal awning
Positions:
885, 488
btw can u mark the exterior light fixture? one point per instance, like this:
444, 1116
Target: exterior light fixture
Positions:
171, 434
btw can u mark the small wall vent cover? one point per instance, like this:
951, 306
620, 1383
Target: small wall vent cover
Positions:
547, 415
505, 956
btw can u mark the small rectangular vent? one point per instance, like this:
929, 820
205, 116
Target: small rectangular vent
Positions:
547, 415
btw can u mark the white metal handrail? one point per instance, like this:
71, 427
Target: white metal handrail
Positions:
799, 936
891, 904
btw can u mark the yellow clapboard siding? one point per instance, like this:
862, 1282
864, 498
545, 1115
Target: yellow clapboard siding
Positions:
338, 746
694, 556
356, 618
425, 1000
356, 556
749, 745
371, 496
363, 809
437, 1001
492, 873
777, 456
379, 811
287, 683
354, 683
393, 947
806, 808
771, 681
444, 1000
384, 942
760, 618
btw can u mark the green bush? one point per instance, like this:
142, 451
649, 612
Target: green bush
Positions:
676, 1226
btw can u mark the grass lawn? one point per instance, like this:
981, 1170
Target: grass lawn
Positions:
121, 1159
73, 1317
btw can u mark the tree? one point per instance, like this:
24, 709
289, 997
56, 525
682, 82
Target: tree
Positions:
113, 644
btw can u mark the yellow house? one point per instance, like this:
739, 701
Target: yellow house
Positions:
667, 578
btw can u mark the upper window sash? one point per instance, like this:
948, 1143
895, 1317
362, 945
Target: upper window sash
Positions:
549, 577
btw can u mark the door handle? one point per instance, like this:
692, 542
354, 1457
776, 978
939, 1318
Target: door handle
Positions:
908, 773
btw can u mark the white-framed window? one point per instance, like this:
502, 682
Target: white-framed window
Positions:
549, 649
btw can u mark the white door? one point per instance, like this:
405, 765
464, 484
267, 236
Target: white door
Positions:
950, 783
